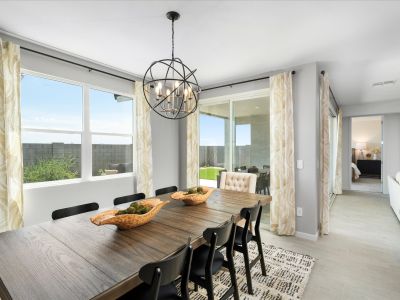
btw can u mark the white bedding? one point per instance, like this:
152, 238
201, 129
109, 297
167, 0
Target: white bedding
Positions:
357, 172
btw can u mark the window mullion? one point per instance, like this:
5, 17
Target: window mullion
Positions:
86, 137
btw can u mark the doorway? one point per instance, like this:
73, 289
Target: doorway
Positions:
366, 155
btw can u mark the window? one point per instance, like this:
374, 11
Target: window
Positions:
51, 117
111, 126
56, 131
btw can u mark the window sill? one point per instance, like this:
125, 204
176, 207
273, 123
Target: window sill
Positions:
38, 185
110, 177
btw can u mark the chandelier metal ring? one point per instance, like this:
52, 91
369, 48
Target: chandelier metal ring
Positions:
170, 87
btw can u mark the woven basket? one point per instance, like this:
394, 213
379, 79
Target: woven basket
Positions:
193, 199
129, 221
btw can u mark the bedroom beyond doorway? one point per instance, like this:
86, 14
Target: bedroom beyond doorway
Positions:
366, 154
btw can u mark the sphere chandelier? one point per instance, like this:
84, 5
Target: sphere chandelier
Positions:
169, 86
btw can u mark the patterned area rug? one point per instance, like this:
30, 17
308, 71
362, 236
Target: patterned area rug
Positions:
287, 276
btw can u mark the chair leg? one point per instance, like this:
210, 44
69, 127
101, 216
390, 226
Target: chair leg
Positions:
248, 271
209, 288
261, 253
232, 272
196, 287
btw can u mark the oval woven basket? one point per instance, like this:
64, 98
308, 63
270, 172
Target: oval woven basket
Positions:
193, 199
129, 221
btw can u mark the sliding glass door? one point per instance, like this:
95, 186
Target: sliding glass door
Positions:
234, 135
214, 154
251, 133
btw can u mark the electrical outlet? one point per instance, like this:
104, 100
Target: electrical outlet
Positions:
299, 212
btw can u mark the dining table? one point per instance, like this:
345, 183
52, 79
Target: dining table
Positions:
71, 258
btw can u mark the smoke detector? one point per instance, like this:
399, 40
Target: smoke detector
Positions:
383, 83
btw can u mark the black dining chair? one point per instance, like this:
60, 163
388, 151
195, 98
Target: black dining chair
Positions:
166, 190
243, 168
262, 184
74, 210
244, 236
129, 198
159, 278
208, 260
252, 169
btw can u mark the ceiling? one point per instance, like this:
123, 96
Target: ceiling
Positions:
357, 43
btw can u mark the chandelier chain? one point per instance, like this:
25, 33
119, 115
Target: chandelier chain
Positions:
173, 38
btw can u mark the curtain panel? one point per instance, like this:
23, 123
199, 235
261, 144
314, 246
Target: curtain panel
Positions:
324, 154
282, 183
337, 188
144, 172
11, 171
192, 146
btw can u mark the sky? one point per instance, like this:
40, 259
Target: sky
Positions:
49, 104
212, 132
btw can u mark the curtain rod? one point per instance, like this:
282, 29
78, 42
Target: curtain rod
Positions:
239, 82
333, 96
77, 64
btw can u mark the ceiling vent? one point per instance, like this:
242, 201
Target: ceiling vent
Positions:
383, 83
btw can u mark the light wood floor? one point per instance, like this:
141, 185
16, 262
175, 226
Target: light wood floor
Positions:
360, 258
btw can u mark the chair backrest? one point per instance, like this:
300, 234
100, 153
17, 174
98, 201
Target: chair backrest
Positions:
252, 169
237, 181
74, 210
243, 168
251, 214
266, 167
164, 272
221, 234
129, 198
166, 190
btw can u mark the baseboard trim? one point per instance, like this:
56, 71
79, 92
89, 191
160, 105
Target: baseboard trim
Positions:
307, 236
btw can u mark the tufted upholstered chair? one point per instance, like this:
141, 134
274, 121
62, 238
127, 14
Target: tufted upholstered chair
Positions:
237, 181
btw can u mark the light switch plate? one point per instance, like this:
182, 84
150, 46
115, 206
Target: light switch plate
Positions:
300, 164
299, 212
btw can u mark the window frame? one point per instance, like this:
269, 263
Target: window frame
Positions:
231, 99
85, 133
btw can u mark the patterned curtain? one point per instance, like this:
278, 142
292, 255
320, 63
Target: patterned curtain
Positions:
283, 216
337, 188
192, 146
11, 171
324, 154
143, 140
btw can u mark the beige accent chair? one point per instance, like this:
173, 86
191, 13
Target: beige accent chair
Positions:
237, 181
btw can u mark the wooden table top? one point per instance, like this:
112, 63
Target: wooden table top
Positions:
72, 258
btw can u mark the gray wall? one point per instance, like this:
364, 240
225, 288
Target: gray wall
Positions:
390, 110
166, 157
374, 108
306, 124
391, 147
346, 154
306, 135
41, 200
